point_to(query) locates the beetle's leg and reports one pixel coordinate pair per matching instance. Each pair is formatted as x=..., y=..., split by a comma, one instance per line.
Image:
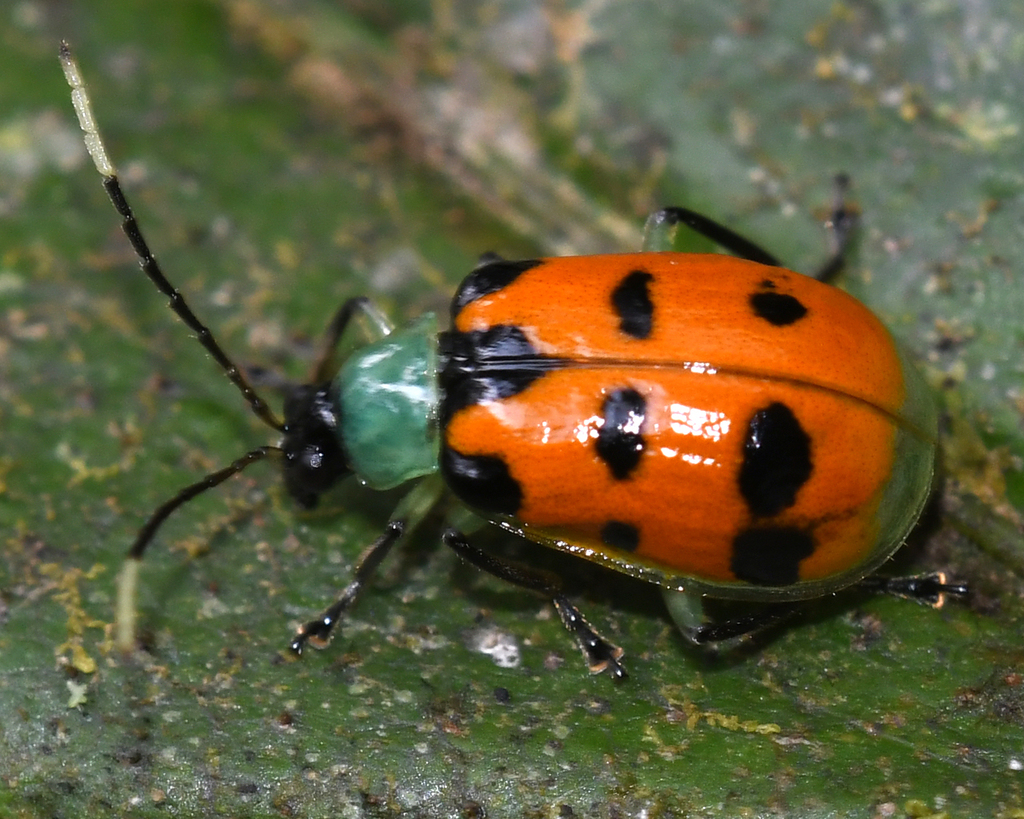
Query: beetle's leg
x=599, y=653
x=930, y=589
x=318, y=632
x=660, y=230
x=379, y=326
x=375, y=326
x=840, y=227
x=736, y=627
x=408, y=515
x=687, y=610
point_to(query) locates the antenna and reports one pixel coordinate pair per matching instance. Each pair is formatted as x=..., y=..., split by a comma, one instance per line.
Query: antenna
x=150, y=266
x=125, y=613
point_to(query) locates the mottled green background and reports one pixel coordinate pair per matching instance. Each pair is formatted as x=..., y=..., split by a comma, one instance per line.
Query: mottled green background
x=284, y=156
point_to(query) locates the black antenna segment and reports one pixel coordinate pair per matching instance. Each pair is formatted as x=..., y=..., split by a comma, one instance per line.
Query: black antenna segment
x=150, y=266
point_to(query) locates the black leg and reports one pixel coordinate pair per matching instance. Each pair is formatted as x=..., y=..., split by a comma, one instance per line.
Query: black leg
x=318, y=632
x=599, y=653
x=666, y=219
x=930, y=589
x=325, y=366
x=842, y=221
x=408, y=515
x=761, y=619
x=840, y=226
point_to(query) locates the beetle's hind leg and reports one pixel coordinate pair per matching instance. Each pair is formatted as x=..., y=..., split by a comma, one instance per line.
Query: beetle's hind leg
x=930, y=589
x=728, y=625
x=600, y=654
x=688, y=610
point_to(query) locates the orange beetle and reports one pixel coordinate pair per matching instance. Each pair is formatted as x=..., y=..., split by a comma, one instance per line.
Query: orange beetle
x=712, y=420
x=717, y=426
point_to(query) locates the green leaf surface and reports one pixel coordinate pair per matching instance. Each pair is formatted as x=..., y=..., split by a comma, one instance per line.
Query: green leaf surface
x=285, y=156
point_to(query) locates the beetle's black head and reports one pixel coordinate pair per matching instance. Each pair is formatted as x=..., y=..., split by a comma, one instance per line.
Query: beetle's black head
x=314, y=458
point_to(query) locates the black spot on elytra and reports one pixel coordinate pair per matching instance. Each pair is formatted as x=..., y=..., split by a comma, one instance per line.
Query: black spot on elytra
x=490, y=276
x=776, y=460
x=487, y=365
x=770, y=555
x=777, y=308
x=619, y=443
x=482, y=481
x=632, y=302
x=624, y=537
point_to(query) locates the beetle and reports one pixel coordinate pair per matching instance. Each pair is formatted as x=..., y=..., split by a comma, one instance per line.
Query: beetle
x=716, y=425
